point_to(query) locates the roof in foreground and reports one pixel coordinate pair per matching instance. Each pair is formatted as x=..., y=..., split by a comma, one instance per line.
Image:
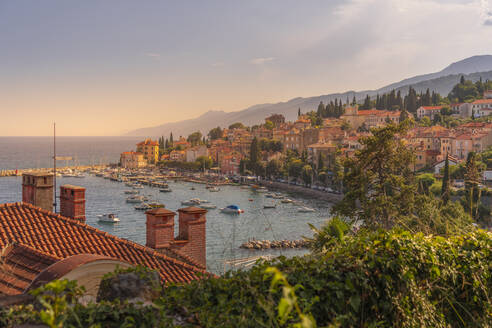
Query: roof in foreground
x=59, y=237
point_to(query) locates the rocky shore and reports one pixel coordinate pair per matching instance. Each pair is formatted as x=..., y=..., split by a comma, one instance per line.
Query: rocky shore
x=266, y=244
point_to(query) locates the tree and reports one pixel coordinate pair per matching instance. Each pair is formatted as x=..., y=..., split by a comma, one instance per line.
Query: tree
x=269, y=125
x=367, y=103
x=445, y=182
x=379, y=183
x=307, y=174
x=171, y=141
x=195, y=138
x=321, y=109
x=299, y=112
x=321, y=164
x=424, y=181
x=273, y=168
x=254, y=155
x=237, y=125
x=215, y=133
x=472, y=180
x=204, y=162
x=242, y=166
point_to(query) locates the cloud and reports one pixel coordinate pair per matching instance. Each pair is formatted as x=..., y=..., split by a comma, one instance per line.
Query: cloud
x=261, y=60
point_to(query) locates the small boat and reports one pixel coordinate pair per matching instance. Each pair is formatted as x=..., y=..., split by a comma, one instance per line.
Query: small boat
x=156, y=205
x=79, y=175
x=143, y=207
x=193, y=201
x=131, y=192
x=109, y=218
x=165, y=189
x=134, y=199
x=214, y=189
x=208, y=206
x=287, y=201
x=305, y=209
x=138, y=186
x=277, y=196
x=232, y=209
x=269, y=206
x=269, y=195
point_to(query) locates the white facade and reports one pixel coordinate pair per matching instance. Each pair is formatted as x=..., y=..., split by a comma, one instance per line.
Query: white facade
x=193, y=153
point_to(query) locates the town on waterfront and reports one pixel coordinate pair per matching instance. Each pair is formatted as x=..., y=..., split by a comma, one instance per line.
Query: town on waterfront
x=199, y=164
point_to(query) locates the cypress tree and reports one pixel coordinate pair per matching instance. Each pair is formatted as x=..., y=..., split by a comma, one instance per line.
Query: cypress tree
x=445, y=182
x=171, y=141
x=299, y=112
x=354, y=101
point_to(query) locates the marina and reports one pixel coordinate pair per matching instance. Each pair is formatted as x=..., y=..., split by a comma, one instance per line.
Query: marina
x=225, y=232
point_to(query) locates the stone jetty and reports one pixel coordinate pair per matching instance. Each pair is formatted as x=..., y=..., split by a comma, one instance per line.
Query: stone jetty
x=266, y=244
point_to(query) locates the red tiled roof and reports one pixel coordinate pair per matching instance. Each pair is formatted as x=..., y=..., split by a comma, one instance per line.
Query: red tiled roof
x=20, y=265
x=61, y=237
x=482, y=101
x=432, y=107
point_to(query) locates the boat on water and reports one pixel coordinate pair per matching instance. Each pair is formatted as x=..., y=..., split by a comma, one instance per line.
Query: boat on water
x=277, y=196
x=232, y=209
x=287, y=201
x=270, y=206
x=269, y=195
x=305, y=209
x=208, y=206
x=108, y=218
x=131, y=192
x=165, y=189
x=79, y=176
x=193, y=201
x=138, y=186
x=143, y=207
x=214, y=189
x=156, y=205
x=134, y=199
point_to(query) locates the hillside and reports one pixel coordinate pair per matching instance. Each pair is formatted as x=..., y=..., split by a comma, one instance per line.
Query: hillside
x=473, y=68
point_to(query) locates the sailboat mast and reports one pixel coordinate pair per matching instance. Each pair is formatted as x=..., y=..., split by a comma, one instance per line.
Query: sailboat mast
x=54, y=167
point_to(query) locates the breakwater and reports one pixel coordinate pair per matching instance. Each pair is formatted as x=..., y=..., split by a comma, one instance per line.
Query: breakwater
x=19, y=172
x=318, y=194
x=267, y=244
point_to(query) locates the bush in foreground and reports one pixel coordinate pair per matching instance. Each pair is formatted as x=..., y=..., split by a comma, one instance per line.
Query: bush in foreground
x=371, y=279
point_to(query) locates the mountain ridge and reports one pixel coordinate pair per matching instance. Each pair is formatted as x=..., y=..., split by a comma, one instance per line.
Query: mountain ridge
x=441, y=82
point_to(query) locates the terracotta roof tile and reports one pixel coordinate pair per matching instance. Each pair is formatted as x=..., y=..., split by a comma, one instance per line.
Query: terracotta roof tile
x=61, y=237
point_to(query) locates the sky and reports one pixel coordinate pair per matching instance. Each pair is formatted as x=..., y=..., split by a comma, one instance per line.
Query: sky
x=108, y=67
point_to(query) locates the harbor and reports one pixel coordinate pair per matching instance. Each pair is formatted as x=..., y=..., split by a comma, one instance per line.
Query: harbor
x=105, y=193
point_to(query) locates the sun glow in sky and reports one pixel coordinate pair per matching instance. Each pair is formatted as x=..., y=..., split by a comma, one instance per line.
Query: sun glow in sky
x=106, y=67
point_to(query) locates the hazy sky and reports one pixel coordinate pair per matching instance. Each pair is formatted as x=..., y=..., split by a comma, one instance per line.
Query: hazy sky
x=106, y=67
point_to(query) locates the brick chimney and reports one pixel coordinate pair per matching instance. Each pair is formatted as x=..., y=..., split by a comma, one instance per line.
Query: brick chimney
x=191, y=239
x=160, y=228
x=192, y=228
x=72, y=202
x=37, y=189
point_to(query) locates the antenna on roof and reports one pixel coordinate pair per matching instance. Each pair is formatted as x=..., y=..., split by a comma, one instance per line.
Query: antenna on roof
x=54, y=166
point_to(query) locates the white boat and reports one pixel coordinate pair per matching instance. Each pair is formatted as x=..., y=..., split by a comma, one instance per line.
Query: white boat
x=305, y=209
x=138, y=186
x=193, y=201
x=269, y=195
x=214, y=189
x=79, y=175
x=269, y=206
x=208, y=206
x=143, y=207
x=134, y=199
x=232, y=209
x=131, y=192
x=277, y=196
x=109, y=218
x=287, y=201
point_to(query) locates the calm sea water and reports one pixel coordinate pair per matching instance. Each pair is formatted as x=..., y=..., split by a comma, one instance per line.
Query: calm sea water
x=37, y=152
x=225, y=233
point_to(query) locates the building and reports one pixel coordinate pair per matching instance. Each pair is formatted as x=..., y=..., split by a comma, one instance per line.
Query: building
x=177, y=155
x=439, y=165
x=194, y=152
x=262, y=133
x=276, y=119
x=150, y=150
x=326, y=150
x=132, y=160
x=229, y=163
x=369, y=118
x=428, y=111
x=40, y=246
x=487, y=94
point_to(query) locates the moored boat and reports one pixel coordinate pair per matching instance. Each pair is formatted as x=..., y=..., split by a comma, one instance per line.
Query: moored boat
x=108, y=218
x=232, y=209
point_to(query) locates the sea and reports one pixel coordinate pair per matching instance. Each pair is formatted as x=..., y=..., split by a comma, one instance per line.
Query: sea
x=225, y=232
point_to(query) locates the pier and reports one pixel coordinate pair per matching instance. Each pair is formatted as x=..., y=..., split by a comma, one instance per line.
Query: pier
x=19, y=172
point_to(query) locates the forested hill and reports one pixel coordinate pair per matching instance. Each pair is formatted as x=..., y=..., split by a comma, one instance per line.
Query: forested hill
x=256, y=114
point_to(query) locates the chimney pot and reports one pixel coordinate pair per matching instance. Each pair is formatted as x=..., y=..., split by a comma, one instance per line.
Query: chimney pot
x=72, y=202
